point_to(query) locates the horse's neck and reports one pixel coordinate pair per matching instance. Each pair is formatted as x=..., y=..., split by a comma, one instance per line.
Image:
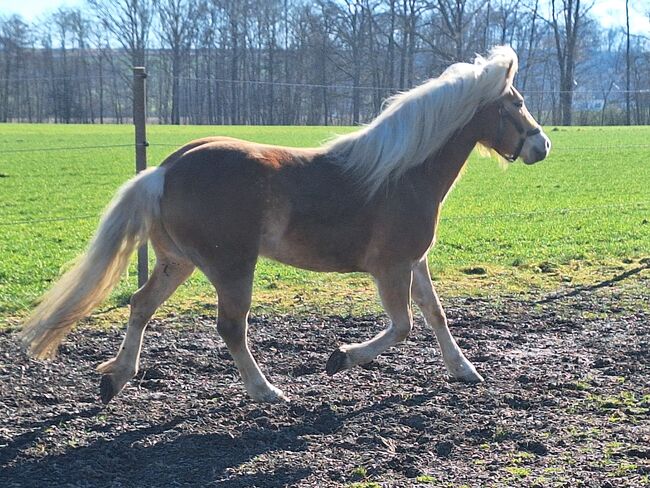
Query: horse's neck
x=443, y=168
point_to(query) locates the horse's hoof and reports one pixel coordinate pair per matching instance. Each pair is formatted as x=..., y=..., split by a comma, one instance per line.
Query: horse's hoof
x=471, y=377
x=338, y=361
x=106, y=389
x=271, y=395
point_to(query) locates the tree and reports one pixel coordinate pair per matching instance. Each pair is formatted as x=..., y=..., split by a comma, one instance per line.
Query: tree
x=351, y=29
x=129, y=21
x=14, y=35
x=566, y=20
x=177, y=30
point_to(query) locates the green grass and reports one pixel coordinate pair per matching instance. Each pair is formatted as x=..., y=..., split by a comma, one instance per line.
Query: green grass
x=518, y=472
x=581, y=215
x=426, y=478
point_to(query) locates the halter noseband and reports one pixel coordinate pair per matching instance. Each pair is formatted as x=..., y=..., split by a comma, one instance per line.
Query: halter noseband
x=504, y=114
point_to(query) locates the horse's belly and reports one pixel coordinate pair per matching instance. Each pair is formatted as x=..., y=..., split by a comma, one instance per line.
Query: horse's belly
x=308, y=257
x=318, y=248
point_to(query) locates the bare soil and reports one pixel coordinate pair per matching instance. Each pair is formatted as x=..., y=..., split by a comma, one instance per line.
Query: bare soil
x=565, y=403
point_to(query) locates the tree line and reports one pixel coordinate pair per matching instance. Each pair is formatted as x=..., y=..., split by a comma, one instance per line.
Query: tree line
x=318, y=62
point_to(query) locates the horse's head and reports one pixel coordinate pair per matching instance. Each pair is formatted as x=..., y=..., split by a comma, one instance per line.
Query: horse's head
x=510, y=129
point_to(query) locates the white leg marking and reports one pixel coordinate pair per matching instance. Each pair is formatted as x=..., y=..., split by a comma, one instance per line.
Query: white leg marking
x=257, y=386
x=427, y=300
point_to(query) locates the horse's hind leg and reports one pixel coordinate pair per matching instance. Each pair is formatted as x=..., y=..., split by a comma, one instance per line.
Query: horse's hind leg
x=168, y=274
x=234, y=289
x=394, y=287
x=425, y=296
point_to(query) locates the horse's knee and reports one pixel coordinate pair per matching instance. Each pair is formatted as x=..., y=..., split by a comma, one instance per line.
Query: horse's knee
x=231, y=330
x=436, y=320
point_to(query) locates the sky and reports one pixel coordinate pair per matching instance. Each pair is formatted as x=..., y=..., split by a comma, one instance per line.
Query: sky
x=31, y=9
x=610, y=13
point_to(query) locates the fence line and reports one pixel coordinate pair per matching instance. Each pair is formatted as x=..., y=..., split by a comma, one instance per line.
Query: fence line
x=296, y=84
x=390, y=88
x=569, y=148
x=140, y=144
x=52, y=219
x=178, y=145
x=556, y=211
x=72, y=148
x=641, y=205
x=21, y=79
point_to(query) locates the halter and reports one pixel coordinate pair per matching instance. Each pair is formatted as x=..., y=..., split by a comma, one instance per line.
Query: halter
x=504, y=114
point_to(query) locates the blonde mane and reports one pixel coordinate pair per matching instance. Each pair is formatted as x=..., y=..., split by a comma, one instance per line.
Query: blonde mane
x=417, y=123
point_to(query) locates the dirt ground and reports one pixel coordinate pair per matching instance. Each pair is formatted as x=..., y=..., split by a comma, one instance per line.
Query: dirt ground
x=565, y=403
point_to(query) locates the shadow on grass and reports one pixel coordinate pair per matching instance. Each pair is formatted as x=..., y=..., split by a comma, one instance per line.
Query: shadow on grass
x=587, y=288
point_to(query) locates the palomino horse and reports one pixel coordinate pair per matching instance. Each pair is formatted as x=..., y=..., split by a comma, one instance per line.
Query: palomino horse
x=368, y=201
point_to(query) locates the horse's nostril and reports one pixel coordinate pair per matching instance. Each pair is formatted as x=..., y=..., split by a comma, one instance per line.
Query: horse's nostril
x=547, y=145
x=540, y=153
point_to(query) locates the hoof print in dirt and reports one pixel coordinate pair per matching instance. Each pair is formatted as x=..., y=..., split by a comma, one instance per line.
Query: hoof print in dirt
x=106, y=389
x=444, y=448
x=535, y=447
x=337, y=362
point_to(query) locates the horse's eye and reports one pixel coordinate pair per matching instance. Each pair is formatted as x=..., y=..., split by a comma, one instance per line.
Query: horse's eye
x=518, y=104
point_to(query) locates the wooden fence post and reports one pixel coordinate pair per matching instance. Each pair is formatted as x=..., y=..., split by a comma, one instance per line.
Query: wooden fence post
x=140, y=123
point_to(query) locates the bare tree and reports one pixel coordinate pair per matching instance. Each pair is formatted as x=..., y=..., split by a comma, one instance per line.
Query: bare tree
x=507, y=17
x=351, y=29
x=177, y=30
x=455, y=16
x=129, y=21
x=13, y=39
x=566, y=20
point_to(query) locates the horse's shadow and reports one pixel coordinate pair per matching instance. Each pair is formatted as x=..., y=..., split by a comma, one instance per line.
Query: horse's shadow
x=152, y=456
x=146, y=457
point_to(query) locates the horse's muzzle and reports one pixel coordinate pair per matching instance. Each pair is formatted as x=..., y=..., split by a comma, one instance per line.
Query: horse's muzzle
x=535, y=148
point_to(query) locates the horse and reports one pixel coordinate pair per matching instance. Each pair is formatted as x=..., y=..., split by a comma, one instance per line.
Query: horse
x=367, y=202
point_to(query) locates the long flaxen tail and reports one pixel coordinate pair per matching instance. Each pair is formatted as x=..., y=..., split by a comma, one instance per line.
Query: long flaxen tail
x=124, y=226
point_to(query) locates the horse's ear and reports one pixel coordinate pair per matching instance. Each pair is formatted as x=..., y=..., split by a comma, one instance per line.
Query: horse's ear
x=510, y=72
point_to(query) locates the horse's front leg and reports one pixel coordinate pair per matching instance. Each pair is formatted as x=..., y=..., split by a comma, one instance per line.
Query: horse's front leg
x=425, y=296
x=394, y=287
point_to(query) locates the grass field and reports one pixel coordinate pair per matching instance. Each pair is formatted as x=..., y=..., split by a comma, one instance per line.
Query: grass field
x=578, y=217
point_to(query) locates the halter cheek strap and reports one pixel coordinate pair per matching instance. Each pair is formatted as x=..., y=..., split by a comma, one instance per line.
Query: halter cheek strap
x=504, y=114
